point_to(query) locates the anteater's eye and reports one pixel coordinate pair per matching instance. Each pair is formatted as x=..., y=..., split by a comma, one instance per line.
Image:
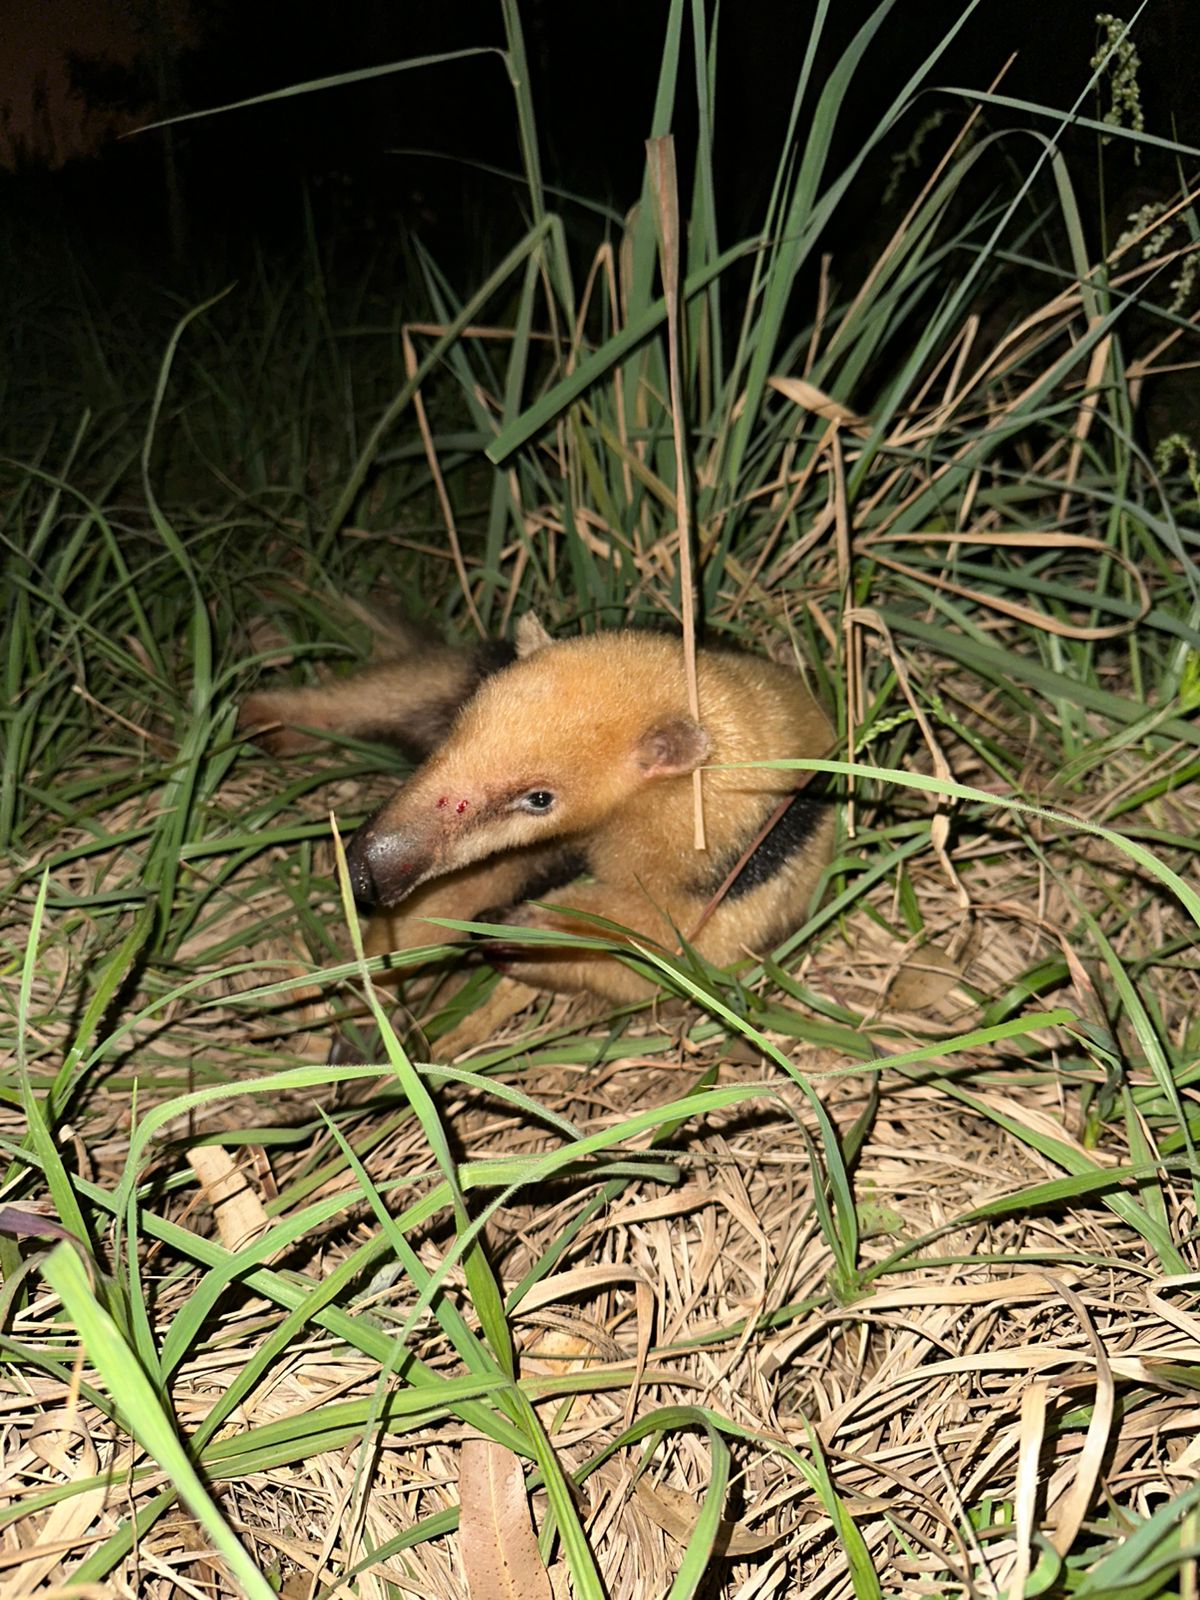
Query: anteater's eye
x=537, y=800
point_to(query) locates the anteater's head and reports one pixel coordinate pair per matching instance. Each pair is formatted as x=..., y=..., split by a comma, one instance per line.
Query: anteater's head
x=549, y=748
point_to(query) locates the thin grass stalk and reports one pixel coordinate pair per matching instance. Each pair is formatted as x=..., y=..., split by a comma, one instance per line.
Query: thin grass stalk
x=661, y=160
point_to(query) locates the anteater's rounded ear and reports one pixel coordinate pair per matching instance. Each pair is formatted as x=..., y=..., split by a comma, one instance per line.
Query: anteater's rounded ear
x=531, y=636
x=671, y=748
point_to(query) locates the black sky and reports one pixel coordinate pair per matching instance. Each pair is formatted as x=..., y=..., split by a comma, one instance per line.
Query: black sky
x=593, y=68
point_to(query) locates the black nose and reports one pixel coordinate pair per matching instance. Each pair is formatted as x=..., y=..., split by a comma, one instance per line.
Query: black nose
x=358, y=863
x=385, y=862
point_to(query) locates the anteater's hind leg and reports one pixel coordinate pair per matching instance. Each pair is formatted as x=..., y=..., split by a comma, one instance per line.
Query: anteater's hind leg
x=410, y=702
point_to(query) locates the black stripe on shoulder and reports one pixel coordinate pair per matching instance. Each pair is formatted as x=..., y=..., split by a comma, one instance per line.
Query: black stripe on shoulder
x=427, y=726
x=786, y=839
x=563, y=869
x=490, y=656
x=541, y=883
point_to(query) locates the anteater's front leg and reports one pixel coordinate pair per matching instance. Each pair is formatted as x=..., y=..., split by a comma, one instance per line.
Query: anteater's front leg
x=656, y=921
x=471, y=894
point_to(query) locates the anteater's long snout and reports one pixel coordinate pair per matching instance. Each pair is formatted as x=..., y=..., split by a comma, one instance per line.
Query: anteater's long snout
x=385, y=864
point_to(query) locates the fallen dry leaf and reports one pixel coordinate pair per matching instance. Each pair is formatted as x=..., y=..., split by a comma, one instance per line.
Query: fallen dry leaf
x=924, y=978
x=495, y=1533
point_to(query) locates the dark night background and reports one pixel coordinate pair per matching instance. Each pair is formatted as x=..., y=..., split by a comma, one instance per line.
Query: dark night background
x=75, y=70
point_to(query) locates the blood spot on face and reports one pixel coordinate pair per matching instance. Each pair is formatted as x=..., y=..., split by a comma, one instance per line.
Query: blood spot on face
x=443, y=802
x=462, y=806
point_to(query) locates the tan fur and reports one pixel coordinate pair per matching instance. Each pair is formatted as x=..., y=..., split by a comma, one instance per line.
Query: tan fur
x=411, y=698
x=602, y=724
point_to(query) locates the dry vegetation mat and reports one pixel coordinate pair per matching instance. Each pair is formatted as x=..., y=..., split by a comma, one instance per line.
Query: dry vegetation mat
x=867, y=1268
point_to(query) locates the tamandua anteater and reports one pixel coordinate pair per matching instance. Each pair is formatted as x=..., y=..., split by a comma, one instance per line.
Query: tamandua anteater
x=561, y=771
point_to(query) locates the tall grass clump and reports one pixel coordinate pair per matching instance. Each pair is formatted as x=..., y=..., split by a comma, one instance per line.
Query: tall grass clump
x=867, y=1268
